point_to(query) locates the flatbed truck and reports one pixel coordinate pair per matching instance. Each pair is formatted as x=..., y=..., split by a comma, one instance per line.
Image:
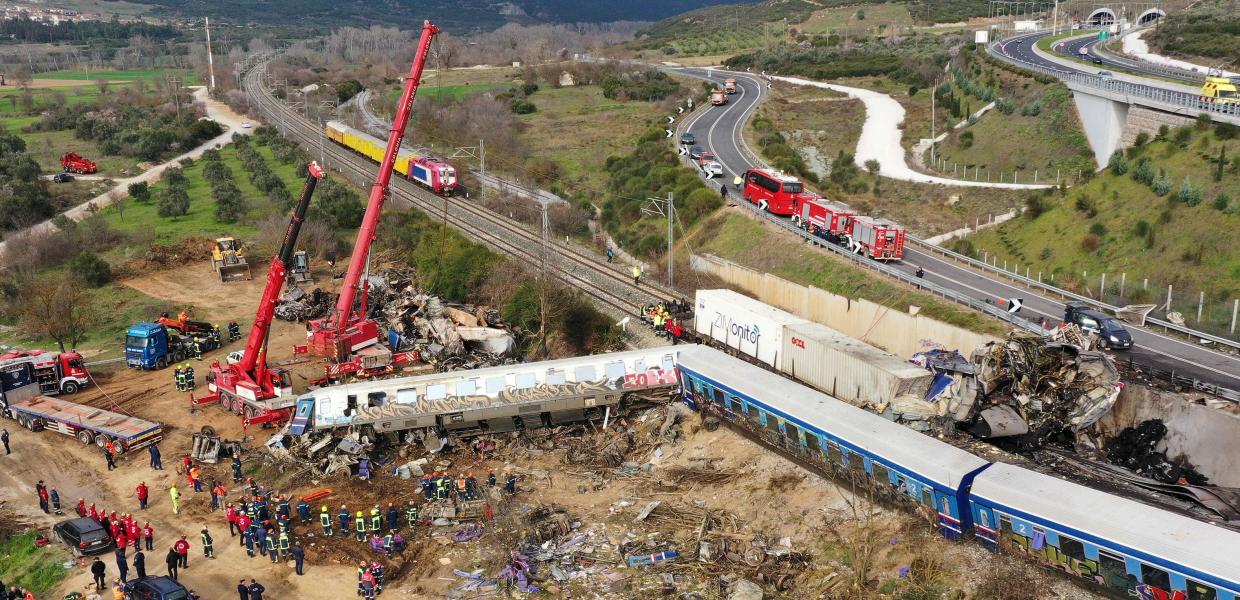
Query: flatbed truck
x=88, y=424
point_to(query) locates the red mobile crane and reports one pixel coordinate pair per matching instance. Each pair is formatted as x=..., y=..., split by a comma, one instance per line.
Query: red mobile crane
x=249, y=387
x=342, y=334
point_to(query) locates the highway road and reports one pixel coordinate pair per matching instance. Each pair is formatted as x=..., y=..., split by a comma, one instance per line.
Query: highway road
x=719, y=130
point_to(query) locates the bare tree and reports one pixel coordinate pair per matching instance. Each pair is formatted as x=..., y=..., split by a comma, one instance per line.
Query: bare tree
x=56, y=307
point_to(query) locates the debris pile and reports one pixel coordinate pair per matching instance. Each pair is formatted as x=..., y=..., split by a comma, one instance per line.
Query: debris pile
x=1136, y=449
x=415, y=320
x=1028, y=385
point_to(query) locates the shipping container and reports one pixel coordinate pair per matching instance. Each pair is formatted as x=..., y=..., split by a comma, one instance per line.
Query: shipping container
x=848, y=368
x=740, y=322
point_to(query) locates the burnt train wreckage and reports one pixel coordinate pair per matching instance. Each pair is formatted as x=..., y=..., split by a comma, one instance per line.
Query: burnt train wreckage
x=333, y=427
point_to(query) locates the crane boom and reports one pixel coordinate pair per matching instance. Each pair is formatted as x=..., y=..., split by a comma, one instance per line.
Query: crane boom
x=276, y=275
x=345, y=329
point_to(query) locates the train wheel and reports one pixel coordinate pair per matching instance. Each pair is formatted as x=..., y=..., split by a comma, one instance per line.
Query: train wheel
x=85, y=436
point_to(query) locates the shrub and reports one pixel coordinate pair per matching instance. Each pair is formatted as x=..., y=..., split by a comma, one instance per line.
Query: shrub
x=1183, y=135
x=173, y=202
x=1161, y=185
x=523, y=107
x=1141, y=228
x=1163, y=132
x=1089, y=243
x=1226, y=131
x=1035, y=206
x=1142, y=139
x=1223, y=202
x=1189, y=193
x=175, y=177
x=340, y=204
x=91, y=269
x=1144, y=173
x=872, y=166
x=528, y=88
x=140, y=191
x=1098, y=229
x=1119, y=163
x=966, y=140
x=912, y=90
x=1087, y=205
x=1203, y=121
x=1032, y=110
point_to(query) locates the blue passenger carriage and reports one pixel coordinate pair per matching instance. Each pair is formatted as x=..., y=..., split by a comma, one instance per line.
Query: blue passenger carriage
x=842, y=439
x=1125, y=546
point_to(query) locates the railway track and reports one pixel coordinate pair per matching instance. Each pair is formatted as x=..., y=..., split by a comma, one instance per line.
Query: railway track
x=573, y=265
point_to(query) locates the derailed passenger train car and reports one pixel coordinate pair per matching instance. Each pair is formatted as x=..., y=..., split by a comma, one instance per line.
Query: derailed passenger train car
x=842, y=439
x=490, y=400
x=1124, y=546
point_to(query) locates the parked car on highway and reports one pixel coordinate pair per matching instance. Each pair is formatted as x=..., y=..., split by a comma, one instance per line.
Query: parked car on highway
x=1112, y=332
x=83, y=536
x=62, y=178
x=687, y=139
x=695, y=152
x=155, y=588
x=712, y=168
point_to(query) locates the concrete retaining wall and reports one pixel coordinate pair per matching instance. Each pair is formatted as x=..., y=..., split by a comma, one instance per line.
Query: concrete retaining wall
x=1208, y=437
x=895, y=331
x=1142, y=119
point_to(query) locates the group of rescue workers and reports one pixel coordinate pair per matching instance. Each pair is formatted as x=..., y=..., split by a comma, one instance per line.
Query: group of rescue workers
x=659, y=316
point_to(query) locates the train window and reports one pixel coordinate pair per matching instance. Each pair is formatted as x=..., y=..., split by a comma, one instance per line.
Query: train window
x=927, y=497
x=526, y=381
x=1114, y=574
x=983, y=518
x=467, y=387
x=833, y=453
x=1005, y=525
x=350, y=405
x=374, y=399
x=668, y=362
x=1200, y=591
x=856, y=462
x=1156, y=577
x=496, y=385
x=881, y=474
x=1071, y=547
x=813, y=442
x=615, y=370
x=437, y=391
x=584, y=373
x=406, y=396
x=947, y=507
x=735, y=403
x=718, y=396
x=556, y=377
x=639, y=365
x=772, y=422
x=791, y=432
x=753, y=414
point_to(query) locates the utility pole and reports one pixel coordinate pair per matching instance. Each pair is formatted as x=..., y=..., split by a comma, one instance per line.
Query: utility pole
x=933, y=91
x=482, y=164
x=671, y=237
x=210, y=60
x=1055, y=19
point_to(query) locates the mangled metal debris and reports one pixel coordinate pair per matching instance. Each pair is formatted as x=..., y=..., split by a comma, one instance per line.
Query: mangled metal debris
x=1029, y=383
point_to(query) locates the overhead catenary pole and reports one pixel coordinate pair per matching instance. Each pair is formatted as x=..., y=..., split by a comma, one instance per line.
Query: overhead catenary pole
x=671, y=236
x=210, y=59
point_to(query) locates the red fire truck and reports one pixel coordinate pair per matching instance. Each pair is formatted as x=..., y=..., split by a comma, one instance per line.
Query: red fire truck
x=828, y=221
x=876, y=239
x=72, y=162
x=55, y=373
x=775, y=193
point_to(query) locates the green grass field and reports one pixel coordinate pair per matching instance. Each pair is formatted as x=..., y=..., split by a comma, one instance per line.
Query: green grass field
x=743, y=240
x=828, y=20
x=143, y=218
x=577, y=128
x=187, y=75
x=1190, y=247
x=25, y=566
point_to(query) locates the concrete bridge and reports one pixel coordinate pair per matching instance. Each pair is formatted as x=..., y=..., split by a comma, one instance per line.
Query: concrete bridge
x=1114, y=108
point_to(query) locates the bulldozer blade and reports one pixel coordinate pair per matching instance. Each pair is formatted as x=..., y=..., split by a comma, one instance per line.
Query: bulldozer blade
x=230, y=273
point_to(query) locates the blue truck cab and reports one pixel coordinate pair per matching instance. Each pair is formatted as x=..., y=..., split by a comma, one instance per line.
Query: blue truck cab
x=151, y=346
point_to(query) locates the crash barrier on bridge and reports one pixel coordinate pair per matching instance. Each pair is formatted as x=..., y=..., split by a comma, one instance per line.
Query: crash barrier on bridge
x=895, y=331
x=1171, y=99
x=1173, y=72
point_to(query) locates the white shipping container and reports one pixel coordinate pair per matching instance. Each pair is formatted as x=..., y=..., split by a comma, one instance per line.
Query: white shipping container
x=738, y=321
x=848, y=368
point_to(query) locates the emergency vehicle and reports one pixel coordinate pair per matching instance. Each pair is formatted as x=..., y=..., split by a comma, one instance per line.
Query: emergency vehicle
x=876, y=239
x=775, y=192
x=53, y=372
x=825, y=220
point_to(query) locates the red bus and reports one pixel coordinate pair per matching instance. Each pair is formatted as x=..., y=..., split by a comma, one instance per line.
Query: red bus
x=775, y=193
x=877, y=239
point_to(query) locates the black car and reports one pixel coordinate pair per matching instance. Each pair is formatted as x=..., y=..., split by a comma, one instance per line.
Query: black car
x=1108, y=328
x=1097, y=61
x=83, y=536
x=687, y=139
x=155, y=588
x=695, y=152
x=62, y=178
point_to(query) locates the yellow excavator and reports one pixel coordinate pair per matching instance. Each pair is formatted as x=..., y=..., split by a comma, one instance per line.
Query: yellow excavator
x=228, y=260
x=1219, y=89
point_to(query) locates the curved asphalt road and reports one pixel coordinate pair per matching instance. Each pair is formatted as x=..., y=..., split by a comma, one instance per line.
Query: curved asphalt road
x=719, y=130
